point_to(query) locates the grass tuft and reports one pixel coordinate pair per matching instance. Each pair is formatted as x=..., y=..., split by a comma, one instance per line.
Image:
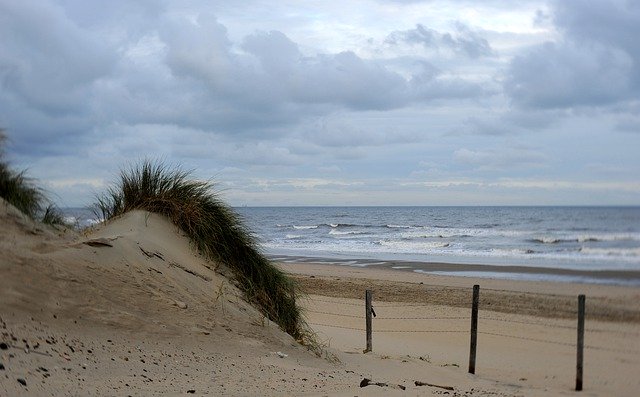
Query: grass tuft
x=21, y=192
x=213, y=227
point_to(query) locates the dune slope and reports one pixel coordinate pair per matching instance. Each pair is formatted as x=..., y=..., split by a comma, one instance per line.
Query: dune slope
x=130, y=309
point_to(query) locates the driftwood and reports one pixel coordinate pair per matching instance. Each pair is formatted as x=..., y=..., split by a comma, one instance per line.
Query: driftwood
x=152, y=254
x=182, y=267
x=418, y=383
x=98, y=242
x=367, y=382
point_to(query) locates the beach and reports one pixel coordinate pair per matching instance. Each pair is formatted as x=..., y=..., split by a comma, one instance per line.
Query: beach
x=129, y=308
x=527, y=330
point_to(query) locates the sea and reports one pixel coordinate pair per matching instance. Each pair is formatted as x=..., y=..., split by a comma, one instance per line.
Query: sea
x=565, y=244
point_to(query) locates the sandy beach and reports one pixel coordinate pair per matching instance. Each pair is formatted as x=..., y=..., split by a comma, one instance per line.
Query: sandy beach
x=527, y=330
x=128, y=309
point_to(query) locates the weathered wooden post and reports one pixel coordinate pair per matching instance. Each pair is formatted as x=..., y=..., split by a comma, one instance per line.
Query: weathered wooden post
x=368, y=297
x=580, y=366
x=474, y=329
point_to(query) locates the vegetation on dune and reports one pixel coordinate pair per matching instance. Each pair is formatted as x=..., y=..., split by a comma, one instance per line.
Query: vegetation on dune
x=213, y=227
x=21, y=192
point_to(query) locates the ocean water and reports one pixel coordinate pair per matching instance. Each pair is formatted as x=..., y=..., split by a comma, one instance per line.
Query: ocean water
x=570, y=238
x=575, y=240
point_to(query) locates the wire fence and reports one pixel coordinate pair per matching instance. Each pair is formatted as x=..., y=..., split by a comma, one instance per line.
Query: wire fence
x=389, y=315
x=467, y=318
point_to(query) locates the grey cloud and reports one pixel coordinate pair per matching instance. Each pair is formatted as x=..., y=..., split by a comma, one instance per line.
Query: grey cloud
x=443, y=88
x=348, y=79
x=69, y=82
x=560, y=76
x=468, y=42
x=46, y=60
x=342, y=78
x=464, y=41
x=349, y=133
x=596, y=64
x=629, y=124
x=272, y=71
x=276, y=52
x=199, y=50
x=515, y=121
x=503, y=159
x=615, y=23
x=272, y=74
x=419, y=35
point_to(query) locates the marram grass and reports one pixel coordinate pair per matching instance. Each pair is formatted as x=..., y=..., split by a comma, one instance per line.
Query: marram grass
x=213, y=227
x=21, y=192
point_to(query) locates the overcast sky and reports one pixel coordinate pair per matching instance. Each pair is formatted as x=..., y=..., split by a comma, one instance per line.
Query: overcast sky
x=371, y=102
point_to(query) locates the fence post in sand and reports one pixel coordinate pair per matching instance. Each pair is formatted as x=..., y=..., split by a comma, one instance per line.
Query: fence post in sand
x=579, y=366
x=474, y=329
x=368, y=298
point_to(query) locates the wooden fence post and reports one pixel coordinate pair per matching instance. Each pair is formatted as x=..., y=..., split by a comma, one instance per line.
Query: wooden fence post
x=580, y=366
x=368, y=298
x=474, y=329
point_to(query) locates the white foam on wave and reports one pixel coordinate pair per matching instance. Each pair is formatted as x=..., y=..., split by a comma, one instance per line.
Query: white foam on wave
x=452, y=232
x=585, y=238
x=624, y=252
x=305, y=227
x=413, y=246
x=353, y=263
x=610, y=237
x=345, y=233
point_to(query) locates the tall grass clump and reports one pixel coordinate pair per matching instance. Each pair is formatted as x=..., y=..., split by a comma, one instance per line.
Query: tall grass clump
x=21, y=192
x=213, y=227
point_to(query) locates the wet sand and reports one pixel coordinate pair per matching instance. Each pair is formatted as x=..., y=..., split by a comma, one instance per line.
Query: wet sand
x=509, y=272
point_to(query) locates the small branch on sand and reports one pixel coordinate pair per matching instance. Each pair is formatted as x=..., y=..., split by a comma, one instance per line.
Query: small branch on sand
x=418, y=383
x=98, y=242
x=152, y=254
x=179, y=266
x=367, y=382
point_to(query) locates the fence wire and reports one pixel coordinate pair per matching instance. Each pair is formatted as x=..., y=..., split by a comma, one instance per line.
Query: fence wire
x=601, y=330
x=526, y=338
x=336, y=314
x=338, y=326
x=336, y=302
x=422, y=318
x=480, y=318
x=390, y=330
x=388, y=318
x=504, y=320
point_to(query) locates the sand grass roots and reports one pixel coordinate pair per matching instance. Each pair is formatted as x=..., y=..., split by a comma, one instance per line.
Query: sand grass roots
x=213, y=227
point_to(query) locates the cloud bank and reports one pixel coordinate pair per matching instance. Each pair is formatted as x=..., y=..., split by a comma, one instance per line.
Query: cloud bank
x=254, y=92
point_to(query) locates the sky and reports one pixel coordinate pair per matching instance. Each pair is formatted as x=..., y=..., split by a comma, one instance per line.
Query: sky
x=364, y=102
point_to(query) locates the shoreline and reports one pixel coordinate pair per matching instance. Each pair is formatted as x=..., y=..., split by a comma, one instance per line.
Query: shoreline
x=538, y=298
x=628, y=278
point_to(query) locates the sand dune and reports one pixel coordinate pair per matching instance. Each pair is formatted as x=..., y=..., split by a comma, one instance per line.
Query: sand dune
x=130, y=309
